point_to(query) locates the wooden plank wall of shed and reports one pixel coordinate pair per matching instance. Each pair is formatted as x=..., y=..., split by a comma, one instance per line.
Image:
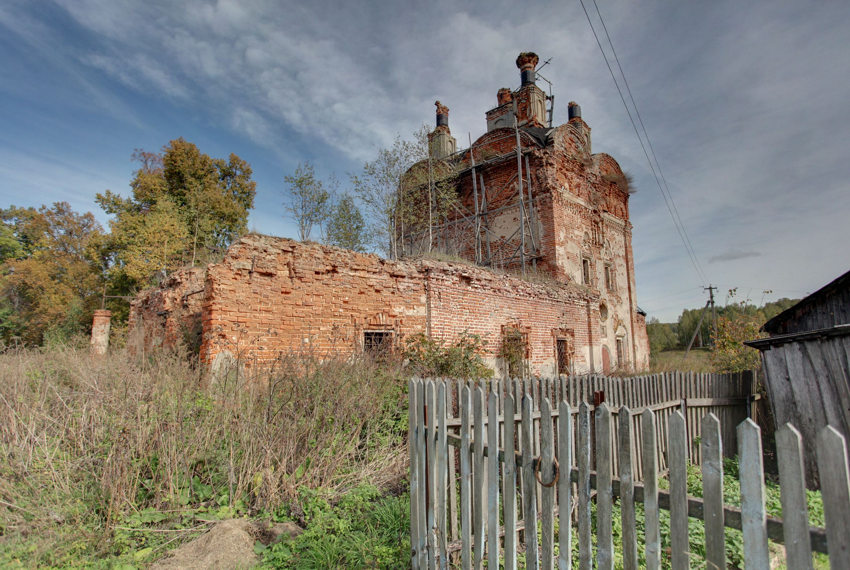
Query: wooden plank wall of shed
x=809, y=386
x=832, y=310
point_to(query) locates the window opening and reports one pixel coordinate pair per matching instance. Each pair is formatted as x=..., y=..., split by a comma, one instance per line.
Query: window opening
x=609, y=277
x=377, y=343
x=621, y=352
x=515, y=352
x=585, y=271
x=562, y=349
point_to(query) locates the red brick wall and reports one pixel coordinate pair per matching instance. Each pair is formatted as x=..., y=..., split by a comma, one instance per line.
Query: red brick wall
x=272, y=294
x=483, y=303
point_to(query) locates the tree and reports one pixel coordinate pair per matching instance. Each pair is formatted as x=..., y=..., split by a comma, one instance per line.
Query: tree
x=143, y=243
x=407, y=194
x=49, y=277
x=185, y=208
x=661, y=336
x=730, y=354
x=307, y=199
x=345, y=226
x=377, y=186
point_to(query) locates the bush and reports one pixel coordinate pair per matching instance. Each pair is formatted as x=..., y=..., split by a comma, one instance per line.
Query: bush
x=428, y=357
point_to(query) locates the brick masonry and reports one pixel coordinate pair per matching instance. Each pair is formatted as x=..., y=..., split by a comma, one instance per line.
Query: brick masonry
x=271, y=295
x=580, y=232
x=169, y=314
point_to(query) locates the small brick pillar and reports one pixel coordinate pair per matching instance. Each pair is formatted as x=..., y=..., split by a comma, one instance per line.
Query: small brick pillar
x=100, y=331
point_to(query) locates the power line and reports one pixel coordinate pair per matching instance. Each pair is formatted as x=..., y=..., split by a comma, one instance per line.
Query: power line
x=648, y=141
x=668, y=197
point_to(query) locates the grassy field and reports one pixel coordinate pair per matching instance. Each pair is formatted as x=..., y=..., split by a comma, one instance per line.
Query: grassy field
x=112, y=461
x=670, y=360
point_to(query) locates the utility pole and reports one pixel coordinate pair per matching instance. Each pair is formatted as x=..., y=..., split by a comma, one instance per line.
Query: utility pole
x=711, y=288
x=697, y=330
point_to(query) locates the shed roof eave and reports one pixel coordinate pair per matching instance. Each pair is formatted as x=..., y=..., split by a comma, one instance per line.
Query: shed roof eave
x=770, y=342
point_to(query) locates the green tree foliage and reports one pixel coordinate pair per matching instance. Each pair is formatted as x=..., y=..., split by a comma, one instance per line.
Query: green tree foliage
x=687, y=324
x=307, y=199
x=730, y=354
x=689, y=318
x=428, y=357
x=185, y=208
x=662, y=336
x=345, y=226
x=49, y=278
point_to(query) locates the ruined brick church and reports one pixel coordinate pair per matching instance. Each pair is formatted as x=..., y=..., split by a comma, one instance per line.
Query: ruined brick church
x=541, y=230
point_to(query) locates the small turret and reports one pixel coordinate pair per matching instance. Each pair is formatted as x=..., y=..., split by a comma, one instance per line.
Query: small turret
x=441, y=143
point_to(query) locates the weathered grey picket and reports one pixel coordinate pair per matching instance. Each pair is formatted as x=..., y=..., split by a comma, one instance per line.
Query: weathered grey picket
x=555, y=448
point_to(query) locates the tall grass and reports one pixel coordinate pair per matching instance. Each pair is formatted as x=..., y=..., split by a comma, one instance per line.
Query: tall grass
x=88, y=441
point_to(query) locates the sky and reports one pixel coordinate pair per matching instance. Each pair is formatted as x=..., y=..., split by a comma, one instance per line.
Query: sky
x=745, y=104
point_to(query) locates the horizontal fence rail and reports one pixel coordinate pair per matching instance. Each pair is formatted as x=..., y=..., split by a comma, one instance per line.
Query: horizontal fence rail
x=491, y=460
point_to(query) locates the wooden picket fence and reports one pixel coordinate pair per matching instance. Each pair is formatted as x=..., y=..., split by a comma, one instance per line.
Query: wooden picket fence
x=559, y=461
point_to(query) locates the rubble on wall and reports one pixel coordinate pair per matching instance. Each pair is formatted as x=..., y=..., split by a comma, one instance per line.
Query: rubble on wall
x=163, y=316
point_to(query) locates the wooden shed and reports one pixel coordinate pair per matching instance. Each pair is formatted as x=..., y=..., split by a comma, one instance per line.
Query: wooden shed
x=806, y=362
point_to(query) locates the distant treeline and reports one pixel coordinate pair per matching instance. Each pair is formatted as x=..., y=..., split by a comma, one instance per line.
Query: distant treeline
x=676, y=336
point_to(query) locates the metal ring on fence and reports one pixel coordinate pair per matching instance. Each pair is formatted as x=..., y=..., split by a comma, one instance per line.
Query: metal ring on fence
x=557, y=467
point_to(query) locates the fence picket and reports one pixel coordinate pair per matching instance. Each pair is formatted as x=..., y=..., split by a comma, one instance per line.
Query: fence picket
x=565, y=442
x=415, y=499
x=712, y=492
x=423, y=481
x=430, y=471
x=652, y=527
x=548, y=474
x=627, y=489
x=678, y=492
x=451, y=400
x=835, y=487
x=585, y=547
x=535, y=428
x=509, y=485
x=753, y=518
x=604, y=492
x=529, y=501
x=493, y=481
x=478, y=481
x=519, y=392
x=795, y=512
x=442, y=452
x=465, y=479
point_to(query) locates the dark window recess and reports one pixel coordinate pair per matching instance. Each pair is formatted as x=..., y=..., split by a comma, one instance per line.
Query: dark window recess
x=563, y=349
x=585, y=271
x=377, y=343
x=514, y=351
x=609, y=278
x=621, y=353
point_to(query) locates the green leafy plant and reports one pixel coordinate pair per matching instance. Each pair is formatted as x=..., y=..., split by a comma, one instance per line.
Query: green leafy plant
x=362, y=529
x=462, y=359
